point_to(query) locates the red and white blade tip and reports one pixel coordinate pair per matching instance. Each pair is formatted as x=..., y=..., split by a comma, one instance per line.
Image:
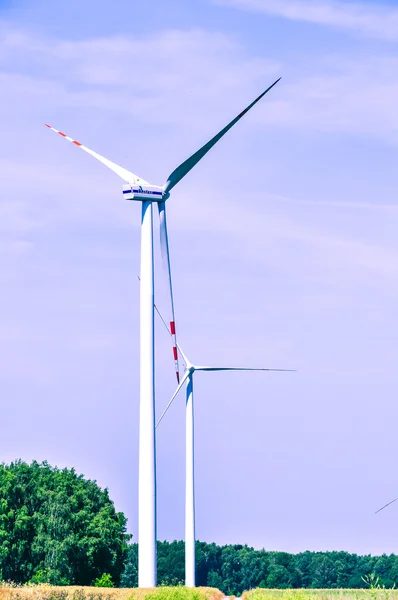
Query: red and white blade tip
x=175, y=350
x=63, y=135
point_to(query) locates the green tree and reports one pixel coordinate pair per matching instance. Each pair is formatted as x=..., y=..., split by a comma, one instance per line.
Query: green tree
x=230, y=570
x=171, y=563
x=57, y=526
x=104, y=581
x=393, y=575
x=215, y=580
x=129, y=578
x=278, y=577
x=325, y=572
x=208, y=560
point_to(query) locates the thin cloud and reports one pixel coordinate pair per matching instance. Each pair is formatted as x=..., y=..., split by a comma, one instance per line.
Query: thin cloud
x=177, y=69
x=373, y=20
x=146, y=76
x=347, y=205
x=341, y=95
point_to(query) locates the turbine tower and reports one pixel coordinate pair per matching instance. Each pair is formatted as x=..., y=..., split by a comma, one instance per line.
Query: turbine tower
x=190, y=536
x=138, y=189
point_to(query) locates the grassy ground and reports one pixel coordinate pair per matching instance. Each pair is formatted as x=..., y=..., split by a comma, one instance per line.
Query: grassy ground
x=375, y=594
x=48, y=592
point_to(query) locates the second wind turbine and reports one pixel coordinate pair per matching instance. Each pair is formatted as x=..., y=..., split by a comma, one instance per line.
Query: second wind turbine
x=190, y=523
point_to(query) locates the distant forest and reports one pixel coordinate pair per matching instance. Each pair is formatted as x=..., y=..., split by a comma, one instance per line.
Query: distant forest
x=235, y=568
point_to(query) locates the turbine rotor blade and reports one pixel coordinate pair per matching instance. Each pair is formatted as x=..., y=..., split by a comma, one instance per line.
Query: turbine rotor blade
x=168, y=329
x=173, y=396
x=164, y=247
x=241, y=369
x=163, y=320
x=126, y=175
x=190, y=162
x=385, y=506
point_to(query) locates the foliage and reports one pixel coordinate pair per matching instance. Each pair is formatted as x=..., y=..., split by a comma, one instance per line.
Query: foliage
x=104, y=581
x=235, y=568
x=373, y=581
x=129, y=578
x=57, y=527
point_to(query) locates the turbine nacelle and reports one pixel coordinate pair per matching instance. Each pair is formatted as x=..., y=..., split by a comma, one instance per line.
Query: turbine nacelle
x=143, y=193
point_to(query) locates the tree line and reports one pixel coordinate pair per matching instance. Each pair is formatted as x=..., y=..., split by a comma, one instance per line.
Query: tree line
x=236, y=568
x=58, y=527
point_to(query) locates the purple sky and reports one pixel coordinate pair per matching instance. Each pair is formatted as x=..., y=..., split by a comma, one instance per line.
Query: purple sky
x=284, y=254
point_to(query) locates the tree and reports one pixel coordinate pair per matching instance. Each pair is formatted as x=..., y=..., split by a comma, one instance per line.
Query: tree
x=208, y=561
x=104, y=581
x=278, y=577
x=253, y=567
x=171, y=563
x=231, y=570
x=129, y=578
x=325, y=572
x=56, y=526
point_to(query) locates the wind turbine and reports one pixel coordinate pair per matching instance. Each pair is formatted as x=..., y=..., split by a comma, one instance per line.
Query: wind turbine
x=138, y=189
x=190, y=368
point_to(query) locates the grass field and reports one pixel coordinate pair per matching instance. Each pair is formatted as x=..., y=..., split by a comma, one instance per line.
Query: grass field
x=374, y=594
x=48, y=592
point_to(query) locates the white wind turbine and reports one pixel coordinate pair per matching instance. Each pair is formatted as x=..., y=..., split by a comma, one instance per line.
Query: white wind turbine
x=190, y=537
x=138, y=189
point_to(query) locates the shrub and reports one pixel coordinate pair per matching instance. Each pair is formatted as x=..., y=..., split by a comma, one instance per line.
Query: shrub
x=104, y=581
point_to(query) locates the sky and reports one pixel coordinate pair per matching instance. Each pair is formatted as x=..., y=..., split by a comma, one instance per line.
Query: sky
x=283, y=245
